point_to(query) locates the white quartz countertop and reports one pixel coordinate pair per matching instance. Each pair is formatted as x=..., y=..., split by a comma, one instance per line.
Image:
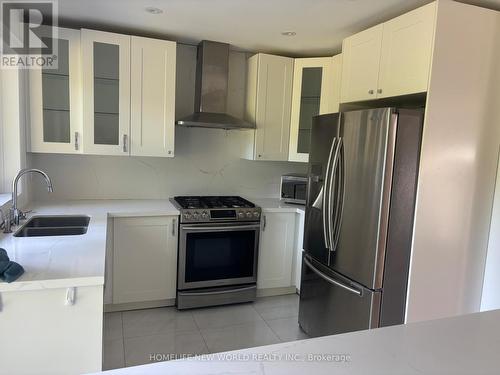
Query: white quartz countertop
x=467, y=344
x=64, y=261
x=276, y=205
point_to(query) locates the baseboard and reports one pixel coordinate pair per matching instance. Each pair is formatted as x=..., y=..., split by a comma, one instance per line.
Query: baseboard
x=269, y=292
x=139, y=305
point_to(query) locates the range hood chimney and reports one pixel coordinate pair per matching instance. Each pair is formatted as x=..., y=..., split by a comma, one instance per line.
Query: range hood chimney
x=210, y=100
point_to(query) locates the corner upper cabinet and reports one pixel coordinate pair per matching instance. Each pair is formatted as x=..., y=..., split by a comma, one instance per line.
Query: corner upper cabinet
x=268, y=106
x=316, y=85
x=55, y=99
x=152, y=116
x=106, y=92
x=361, y=62
x=390, y=59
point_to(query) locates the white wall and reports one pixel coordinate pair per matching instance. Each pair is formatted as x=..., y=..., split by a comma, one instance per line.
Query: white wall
x=490, y=299
x=207, y=161
x=456, y=182
x=12, y=127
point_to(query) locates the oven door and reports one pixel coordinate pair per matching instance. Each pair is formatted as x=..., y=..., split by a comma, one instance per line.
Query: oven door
x=217, y=254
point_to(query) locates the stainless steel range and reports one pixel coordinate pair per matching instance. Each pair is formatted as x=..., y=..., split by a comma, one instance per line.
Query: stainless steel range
x=218, y=250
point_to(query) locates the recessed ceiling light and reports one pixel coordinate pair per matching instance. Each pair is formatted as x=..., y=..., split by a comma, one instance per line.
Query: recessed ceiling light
x=288, y=33
x=154, y=10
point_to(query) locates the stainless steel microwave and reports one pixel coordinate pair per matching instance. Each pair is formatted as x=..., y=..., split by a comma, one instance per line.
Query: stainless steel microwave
x=294, y=188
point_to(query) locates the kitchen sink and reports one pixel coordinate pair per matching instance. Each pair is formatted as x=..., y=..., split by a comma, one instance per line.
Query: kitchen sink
x=44, y=226
x=57, y=221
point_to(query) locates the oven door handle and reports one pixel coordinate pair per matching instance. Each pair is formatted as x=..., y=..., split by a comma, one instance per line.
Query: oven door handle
x=229, y=227
x=225, y=291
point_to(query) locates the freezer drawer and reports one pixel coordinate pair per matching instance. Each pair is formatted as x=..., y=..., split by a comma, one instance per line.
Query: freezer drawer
x=331, y=304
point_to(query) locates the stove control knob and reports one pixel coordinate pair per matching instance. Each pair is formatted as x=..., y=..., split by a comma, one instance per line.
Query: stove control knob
x=241, y=215
x=195, y=215
x=204, y=215
x=187, y=216
x=249, y=214
x=256, y=214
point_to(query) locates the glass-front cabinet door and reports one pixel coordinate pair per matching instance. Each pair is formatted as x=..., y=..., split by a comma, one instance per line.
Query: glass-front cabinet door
x=313, y=93
x=106, y=92
x=55, y=98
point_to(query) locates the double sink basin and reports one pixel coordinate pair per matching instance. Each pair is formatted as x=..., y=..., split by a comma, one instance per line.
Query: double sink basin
x=46, y=226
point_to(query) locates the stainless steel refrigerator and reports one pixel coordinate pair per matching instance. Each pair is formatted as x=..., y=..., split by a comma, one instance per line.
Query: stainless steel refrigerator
x=363, y=168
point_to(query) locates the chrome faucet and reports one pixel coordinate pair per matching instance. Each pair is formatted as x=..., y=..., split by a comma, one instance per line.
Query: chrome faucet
x=15, y=213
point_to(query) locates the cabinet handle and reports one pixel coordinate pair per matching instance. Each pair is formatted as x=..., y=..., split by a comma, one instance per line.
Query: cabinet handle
x=70, y=296
x=125, y=143
x=379, y=91
x=173, y=227
x=264, y=219
x=77, y=141
x=371, y=92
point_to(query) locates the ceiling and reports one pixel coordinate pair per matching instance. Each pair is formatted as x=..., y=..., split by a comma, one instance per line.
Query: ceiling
x=252, y=25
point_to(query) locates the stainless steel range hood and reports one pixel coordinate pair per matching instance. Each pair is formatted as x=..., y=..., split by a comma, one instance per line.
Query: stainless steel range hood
x=210, y=100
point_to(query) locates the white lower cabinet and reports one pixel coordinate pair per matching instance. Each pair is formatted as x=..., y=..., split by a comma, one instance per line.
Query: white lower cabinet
x=43, y=333
x=144, y=259
x=277, y=249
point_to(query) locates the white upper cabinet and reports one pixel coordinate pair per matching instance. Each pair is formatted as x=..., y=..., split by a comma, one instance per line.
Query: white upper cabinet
x=152, y=114
x=55, y=99
x=406, y=53
x=106, y=92
x=315, y=91
x=335, y=85
x=111, y=94
x=360, y=68
x=269, y=92
x=389, y=59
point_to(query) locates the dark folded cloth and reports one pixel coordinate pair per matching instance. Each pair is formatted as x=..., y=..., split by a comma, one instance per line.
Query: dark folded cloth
x=4, y=260
x=9, y=271
x=12, y=273
x=4, y=265
x=3, y=255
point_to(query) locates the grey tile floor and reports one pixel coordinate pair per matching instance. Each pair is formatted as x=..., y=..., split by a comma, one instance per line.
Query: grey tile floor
x=131, y=337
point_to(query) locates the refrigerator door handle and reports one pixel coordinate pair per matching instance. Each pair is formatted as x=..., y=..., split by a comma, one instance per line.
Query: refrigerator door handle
x=330, y=280
x=339, y=208
x=332, y=204
x=326, y=195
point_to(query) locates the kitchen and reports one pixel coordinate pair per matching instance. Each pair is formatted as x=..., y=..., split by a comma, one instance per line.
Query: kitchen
x=138, y=173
